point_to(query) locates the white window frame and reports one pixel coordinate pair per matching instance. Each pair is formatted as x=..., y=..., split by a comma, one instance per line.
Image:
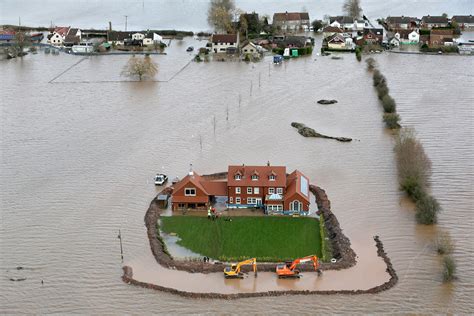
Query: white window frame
x=254, y=177
x=237, y=200
x=189, y=194
x=256, y=190
x=231, y=200
x=237, y=190
x=252, y=200
x=249, y=190
x=238, y=177
x=271, y=177
x=271, y=190
x=279, y=191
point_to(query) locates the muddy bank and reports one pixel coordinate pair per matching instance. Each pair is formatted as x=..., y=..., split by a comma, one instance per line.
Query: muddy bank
x=309, y=132
x=340, y=244
x=127, y=277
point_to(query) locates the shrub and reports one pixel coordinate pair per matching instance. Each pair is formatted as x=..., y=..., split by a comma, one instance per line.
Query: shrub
x=388, y=103
x=449, y=269
x=392, y=120
x=358, y=53
x=378, y=77
x=382, y=90
x=444, y=244
x=412, y=187
x=414, y=166
x=371, y=63
x=427, y=209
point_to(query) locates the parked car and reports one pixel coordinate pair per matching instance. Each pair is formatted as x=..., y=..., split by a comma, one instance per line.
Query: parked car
x=190, y=49
x=160, y=179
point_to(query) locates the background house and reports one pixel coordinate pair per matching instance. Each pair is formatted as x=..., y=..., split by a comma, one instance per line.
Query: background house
x=118, y=38
x=401, y=22
x=291, y=21
x=440, y=37
x=58, y=35
x=221, y=43
x=73, y=37
x=464, y=21
x=428, y=21
x=373, y=35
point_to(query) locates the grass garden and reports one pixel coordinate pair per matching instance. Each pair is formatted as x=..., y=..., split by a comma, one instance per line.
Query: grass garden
x=270, y=239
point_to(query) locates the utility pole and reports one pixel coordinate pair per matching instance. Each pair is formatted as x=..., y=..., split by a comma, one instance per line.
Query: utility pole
x=126, y=18
x=121, y=248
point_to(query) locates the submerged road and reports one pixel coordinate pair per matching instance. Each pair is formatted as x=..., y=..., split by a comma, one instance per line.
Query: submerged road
x=370, y=271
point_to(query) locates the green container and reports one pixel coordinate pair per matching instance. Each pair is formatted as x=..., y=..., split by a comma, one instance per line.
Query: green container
x=294, y=53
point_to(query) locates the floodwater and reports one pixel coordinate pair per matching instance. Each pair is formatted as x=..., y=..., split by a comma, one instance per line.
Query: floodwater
x=78, y=157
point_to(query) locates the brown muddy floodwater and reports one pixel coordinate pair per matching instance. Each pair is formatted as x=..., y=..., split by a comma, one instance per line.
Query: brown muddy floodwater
x=78, y=156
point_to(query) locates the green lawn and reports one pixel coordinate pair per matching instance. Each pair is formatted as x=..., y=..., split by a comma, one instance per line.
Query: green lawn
x=266, y=238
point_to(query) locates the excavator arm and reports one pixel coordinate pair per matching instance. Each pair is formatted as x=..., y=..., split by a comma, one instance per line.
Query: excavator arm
x=290, y=271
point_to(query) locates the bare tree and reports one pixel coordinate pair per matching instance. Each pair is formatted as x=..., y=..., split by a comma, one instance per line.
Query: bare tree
x=22, y=40
x=220, y=14
x=352, y=8
x=141, y=67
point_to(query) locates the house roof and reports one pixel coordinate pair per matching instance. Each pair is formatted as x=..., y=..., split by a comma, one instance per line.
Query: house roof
x=341, y=19
x=373, y=31
x=118, y=36
x=332, y=29
x=434, y=19
x=400, y=19
x=336, y=38
x=463, y=18
x=208, y=187
x=263, y=176
x=61, y=30
x=248, y=43
x=290, y=16
x=224, y=38
x=216, y=188
x=72, y=39
x=72, y=32
x=441, y=32
x=297, y=183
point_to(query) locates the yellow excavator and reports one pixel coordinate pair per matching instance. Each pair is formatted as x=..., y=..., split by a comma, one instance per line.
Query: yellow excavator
x=233, y=271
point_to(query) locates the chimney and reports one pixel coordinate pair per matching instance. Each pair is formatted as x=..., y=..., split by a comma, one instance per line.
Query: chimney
x=191, y=172
x=110, y=26
x=268, y=163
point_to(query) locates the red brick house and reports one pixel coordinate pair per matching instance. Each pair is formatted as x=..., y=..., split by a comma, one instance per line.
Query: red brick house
x=267, y=187
x=440, y=37
x=194, y=192
x=373, y=35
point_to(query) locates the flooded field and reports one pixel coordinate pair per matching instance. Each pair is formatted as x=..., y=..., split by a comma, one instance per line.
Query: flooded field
x=78, y=157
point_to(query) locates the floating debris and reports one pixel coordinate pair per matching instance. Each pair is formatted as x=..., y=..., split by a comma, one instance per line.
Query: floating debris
x=327, y=101
x=309, y=132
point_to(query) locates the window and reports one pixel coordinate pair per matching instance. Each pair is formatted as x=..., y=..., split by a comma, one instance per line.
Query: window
x=237, y=190
x=190, y=192
x=256, y=190
x=271, y=190
x=237, y=177
x=251, y=201
x=231, y=200
x=249, y=190
x=254, y=177
x=237, y=200
x=271, y=177
x=181, y=206
x=280, y=190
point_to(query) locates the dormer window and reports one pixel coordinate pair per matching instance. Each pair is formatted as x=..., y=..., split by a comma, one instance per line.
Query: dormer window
x=238, y=177
x=272, y=177
x=254, y=177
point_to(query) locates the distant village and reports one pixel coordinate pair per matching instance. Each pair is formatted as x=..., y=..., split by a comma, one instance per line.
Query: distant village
x=289, y=35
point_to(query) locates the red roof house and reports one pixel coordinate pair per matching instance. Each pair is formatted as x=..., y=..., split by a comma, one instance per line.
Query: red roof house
x=268, y=187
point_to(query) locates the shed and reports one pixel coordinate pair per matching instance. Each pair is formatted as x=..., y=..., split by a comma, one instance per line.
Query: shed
x=162, y=200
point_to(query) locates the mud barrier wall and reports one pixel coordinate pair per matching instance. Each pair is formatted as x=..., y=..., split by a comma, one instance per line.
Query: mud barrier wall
x=127, y=277
x=340, y=244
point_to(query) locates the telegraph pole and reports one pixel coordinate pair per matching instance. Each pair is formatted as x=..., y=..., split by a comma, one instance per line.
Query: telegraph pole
x=121, y=248
x=126, y=18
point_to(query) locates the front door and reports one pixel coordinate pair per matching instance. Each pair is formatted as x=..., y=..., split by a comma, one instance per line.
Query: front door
x=296, y=206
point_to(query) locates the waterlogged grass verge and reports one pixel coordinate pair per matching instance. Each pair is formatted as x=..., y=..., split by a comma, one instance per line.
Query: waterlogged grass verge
x=326, y=253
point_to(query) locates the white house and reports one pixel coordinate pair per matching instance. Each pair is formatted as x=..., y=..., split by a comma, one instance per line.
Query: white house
x=344, y=22
x=58, y=36
x=221, y=43
x=394, y=41
x=138, y=37
x=152, y=38
x=414, y=37
x=249, y=48
x=291, y=21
